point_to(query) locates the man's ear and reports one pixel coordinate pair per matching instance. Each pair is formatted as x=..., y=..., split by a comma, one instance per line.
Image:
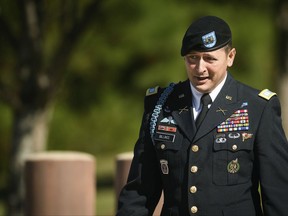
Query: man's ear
x=231, y=57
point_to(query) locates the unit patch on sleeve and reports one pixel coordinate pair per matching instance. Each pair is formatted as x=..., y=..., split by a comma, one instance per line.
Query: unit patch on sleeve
x=151, y=91
x=266, y=94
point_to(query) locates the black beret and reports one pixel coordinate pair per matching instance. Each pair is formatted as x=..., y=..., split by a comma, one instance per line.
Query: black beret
x=206, y=34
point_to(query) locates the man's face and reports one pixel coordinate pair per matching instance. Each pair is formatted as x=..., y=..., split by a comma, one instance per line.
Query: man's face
x=206, y=70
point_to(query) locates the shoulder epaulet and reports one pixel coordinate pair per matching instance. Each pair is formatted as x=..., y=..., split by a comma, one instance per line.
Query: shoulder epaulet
x=152, y=91
x=267, y=94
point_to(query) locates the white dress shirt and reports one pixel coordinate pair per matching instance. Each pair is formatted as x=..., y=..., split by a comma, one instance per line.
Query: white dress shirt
x=196, y=97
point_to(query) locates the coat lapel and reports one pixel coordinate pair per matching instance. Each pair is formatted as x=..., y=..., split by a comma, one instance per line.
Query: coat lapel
x=225, y=104
x=180, y=104
x=182, y=109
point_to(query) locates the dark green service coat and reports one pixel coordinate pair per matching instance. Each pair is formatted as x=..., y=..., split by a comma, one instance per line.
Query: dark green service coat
x=215, y=170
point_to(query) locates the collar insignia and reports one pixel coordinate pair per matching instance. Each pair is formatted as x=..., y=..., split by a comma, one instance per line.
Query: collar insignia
x=221, y=110
x=183, y=109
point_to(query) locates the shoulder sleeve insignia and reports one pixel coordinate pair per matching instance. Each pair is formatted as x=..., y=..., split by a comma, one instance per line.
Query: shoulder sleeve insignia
x=267, y=94
x=151, y=91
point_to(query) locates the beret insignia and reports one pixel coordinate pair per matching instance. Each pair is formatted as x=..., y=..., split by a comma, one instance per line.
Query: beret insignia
x=209, y=40
x=267, y=94
x=151, y=91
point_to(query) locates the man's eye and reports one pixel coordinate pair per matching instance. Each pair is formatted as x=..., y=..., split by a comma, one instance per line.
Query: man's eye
x=210, y=58
x=192, y=57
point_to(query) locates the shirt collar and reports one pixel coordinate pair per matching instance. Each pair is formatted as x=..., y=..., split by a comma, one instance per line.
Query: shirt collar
x=196, y=95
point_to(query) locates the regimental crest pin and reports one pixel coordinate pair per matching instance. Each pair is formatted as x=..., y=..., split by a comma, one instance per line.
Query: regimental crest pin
x=228, y=97
x=233, y=166
x=164, y=167
x=209, y=40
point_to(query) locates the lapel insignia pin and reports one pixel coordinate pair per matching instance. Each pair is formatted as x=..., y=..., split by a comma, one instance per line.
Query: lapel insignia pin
x=181, y=96
x=221, y=110
x=183, y=109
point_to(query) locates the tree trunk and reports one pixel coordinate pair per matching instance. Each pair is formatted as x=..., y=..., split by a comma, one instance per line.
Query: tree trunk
x=283, y=92
x=37, y=75
x=30, y=130
x=282, y=21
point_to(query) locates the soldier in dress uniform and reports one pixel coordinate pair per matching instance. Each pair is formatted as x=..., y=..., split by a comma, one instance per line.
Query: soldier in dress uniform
x=210, y=143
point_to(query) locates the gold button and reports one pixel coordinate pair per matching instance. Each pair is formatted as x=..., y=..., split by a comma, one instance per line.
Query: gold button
x=193, y=189
x=162, y=146
x=194, y=209
x=234, y=147
x=195, y=148
x=194, y=169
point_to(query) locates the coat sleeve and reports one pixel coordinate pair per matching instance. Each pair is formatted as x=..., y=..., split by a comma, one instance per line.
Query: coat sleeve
x=141, y=194
x=272, y=154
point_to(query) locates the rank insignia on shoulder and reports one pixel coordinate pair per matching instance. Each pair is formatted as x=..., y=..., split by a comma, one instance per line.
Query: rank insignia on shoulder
x=266, y=94
x=151, y=91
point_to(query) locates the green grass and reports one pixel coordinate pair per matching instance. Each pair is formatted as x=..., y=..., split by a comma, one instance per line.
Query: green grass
x=105, y=202
x=105, y=197
x=2, y=209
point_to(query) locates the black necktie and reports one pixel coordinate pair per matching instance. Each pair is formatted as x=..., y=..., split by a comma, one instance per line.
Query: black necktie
x=205, y=101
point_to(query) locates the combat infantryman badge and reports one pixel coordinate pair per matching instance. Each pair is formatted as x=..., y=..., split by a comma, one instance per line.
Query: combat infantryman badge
x=164, y=167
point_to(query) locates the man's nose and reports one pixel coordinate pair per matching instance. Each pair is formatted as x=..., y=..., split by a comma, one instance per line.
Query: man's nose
x=200, y=66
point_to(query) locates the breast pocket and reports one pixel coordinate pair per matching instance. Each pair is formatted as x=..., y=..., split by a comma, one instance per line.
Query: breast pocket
x=232, y=158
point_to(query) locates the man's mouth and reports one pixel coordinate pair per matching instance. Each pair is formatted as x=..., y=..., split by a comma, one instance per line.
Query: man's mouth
x=202, y=78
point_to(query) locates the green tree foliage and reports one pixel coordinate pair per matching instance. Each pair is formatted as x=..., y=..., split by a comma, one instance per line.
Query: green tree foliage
x=112, y=69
